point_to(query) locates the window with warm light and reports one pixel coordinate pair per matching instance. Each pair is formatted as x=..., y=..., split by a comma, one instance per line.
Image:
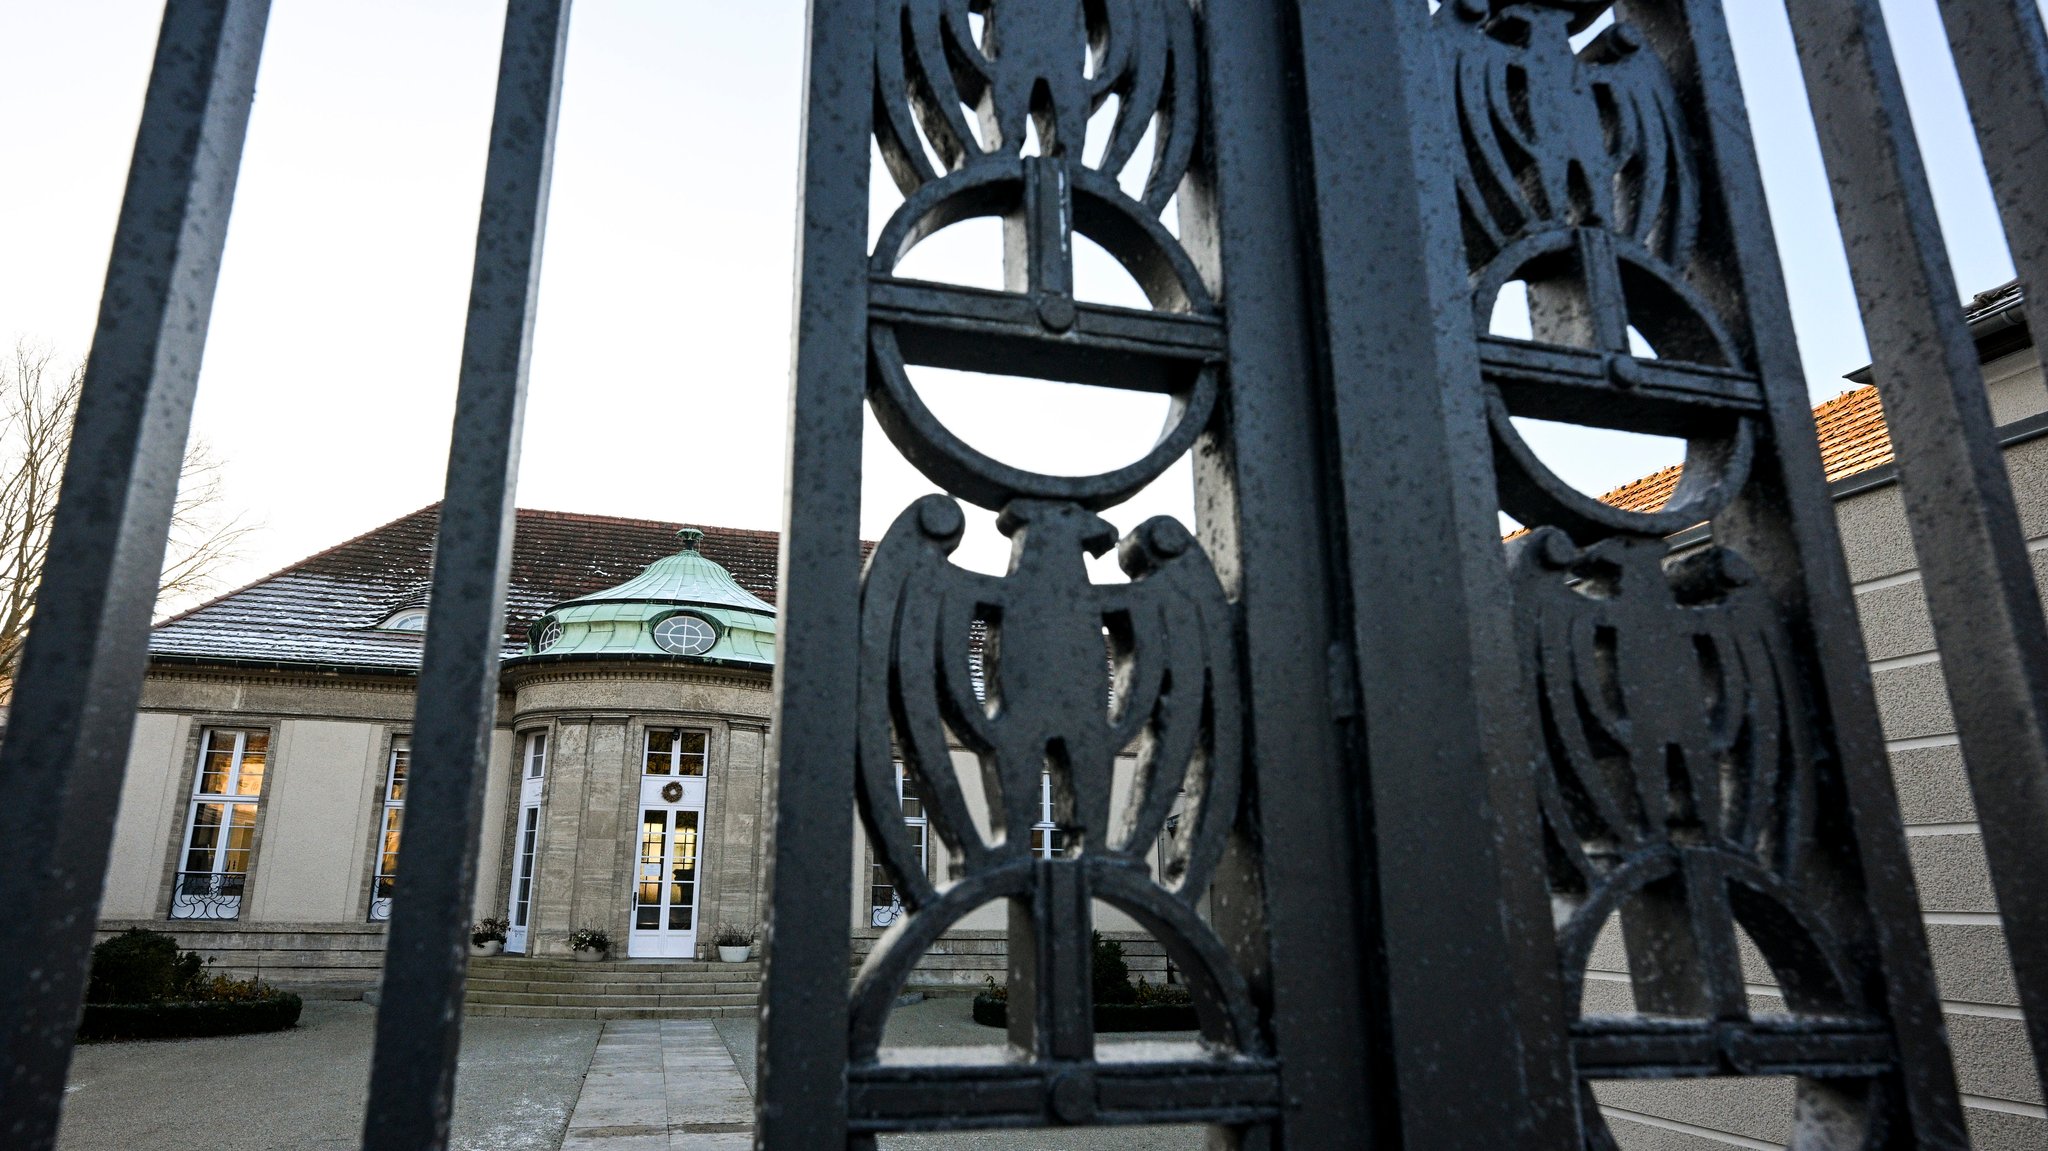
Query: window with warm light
x=220, y=830
x=395, y=770
x=676, y=751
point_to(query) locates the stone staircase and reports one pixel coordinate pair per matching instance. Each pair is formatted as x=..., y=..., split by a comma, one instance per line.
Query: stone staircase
x=614, y=989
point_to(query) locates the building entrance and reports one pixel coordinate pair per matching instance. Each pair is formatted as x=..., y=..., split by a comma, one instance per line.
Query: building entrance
x=664, y=922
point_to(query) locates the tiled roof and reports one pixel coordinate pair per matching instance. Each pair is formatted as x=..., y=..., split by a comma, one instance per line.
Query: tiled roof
x=325, y=609
x=1852, y=439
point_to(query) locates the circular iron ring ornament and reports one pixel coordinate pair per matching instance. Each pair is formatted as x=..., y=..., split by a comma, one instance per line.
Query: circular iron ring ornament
x=1716, y=465
x=1139, y=242
x=672, y=791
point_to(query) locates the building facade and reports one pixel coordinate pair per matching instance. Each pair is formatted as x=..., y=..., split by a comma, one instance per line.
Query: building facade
x=627, y=787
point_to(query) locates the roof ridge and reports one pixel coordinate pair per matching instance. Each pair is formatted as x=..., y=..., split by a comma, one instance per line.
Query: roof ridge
x=593, y=517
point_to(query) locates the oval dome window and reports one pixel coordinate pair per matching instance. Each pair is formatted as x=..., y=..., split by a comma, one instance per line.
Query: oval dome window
x=685, y=635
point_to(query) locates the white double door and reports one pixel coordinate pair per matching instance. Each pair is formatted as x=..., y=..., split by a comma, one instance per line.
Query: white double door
x=667, y=868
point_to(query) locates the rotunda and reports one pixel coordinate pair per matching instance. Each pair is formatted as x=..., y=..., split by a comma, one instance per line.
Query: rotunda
x=640, y=715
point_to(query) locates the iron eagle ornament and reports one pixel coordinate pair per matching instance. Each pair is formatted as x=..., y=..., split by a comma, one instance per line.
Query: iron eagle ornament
x=1678, y=779
x=1069, y=673
x=1558, y=137
x=1049, y=64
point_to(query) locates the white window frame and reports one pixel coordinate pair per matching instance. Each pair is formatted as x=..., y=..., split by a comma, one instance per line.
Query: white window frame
x=1048, y=838
x=882, y=914
x=677, y=759
x=535, y=755
x=668, y=623
x=384, y=877
x=216, y=892
x=533, y=760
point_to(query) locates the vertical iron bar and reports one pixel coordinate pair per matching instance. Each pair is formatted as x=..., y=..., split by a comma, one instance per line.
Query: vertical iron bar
x=1973, y=559
x=419, y=1023
x=1473, y=1021
x=81, y=671
x=801, y=1101
x=1293, y=913
x=2001, y=54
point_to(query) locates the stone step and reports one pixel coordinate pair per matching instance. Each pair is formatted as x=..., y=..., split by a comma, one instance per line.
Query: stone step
x=526, y=1011
x=627, y=967
x=534, y=999
x=560, y=986
x=564, y=975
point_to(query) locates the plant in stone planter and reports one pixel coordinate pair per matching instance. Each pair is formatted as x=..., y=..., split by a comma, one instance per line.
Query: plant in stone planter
x=487, y=936
x=734, y=942
x=590, y=943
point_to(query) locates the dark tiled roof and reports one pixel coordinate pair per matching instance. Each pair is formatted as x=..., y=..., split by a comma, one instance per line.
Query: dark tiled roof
x=325, y=609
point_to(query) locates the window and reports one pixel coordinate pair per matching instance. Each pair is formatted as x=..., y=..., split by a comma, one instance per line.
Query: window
x=674, y=751
x=522, y=887
x=1048, y=840
x=884, y=902
x=536, y=754
x=549, y=636
x=411, y=619
x=670, y=848
x=221, y=831
x=685, y=635
x=387, y=833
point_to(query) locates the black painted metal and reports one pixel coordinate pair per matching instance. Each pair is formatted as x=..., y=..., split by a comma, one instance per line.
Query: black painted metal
x=419, y=1022
x=1295, y=920
x=2001, y=54
x=1392, y=813
x=802, y=1093
x=81, y=673
x=1704, y=747
x=1410, y=447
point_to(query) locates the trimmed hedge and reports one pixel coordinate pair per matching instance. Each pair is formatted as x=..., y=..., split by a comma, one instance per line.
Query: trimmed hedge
x=140, y=966
x=989, y=1011
x=189, y=1019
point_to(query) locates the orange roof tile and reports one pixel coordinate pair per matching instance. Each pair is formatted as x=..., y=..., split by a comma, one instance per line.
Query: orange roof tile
x=1852, y=439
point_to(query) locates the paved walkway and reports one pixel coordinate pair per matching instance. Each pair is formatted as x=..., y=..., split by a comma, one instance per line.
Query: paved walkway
x=302, y=1090
x=660, y=1084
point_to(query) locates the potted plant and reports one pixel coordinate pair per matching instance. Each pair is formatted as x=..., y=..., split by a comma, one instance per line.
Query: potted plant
x=590, y=944
x=734, y=943
x=487, y=936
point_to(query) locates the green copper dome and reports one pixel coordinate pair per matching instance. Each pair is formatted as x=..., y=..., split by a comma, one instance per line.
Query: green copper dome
x=683, y=606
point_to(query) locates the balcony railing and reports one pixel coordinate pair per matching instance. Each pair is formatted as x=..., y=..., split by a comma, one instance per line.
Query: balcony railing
x=208, y=895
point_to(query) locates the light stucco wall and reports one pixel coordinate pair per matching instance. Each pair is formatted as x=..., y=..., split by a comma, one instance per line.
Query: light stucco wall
x=152, y=812
x=315, y=824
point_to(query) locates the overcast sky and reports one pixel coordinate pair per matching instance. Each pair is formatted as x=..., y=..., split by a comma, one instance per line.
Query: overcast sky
x=662, y=346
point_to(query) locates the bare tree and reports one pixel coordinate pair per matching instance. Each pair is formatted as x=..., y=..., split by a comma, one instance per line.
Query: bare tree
x=37, y=406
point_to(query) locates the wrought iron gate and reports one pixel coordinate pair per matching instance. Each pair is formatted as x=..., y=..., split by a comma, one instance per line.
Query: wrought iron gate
x=1415, y=772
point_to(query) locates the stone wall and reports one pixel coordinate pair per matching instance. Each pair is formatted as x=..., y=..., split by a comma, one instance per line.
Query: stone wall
x=317, y=960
